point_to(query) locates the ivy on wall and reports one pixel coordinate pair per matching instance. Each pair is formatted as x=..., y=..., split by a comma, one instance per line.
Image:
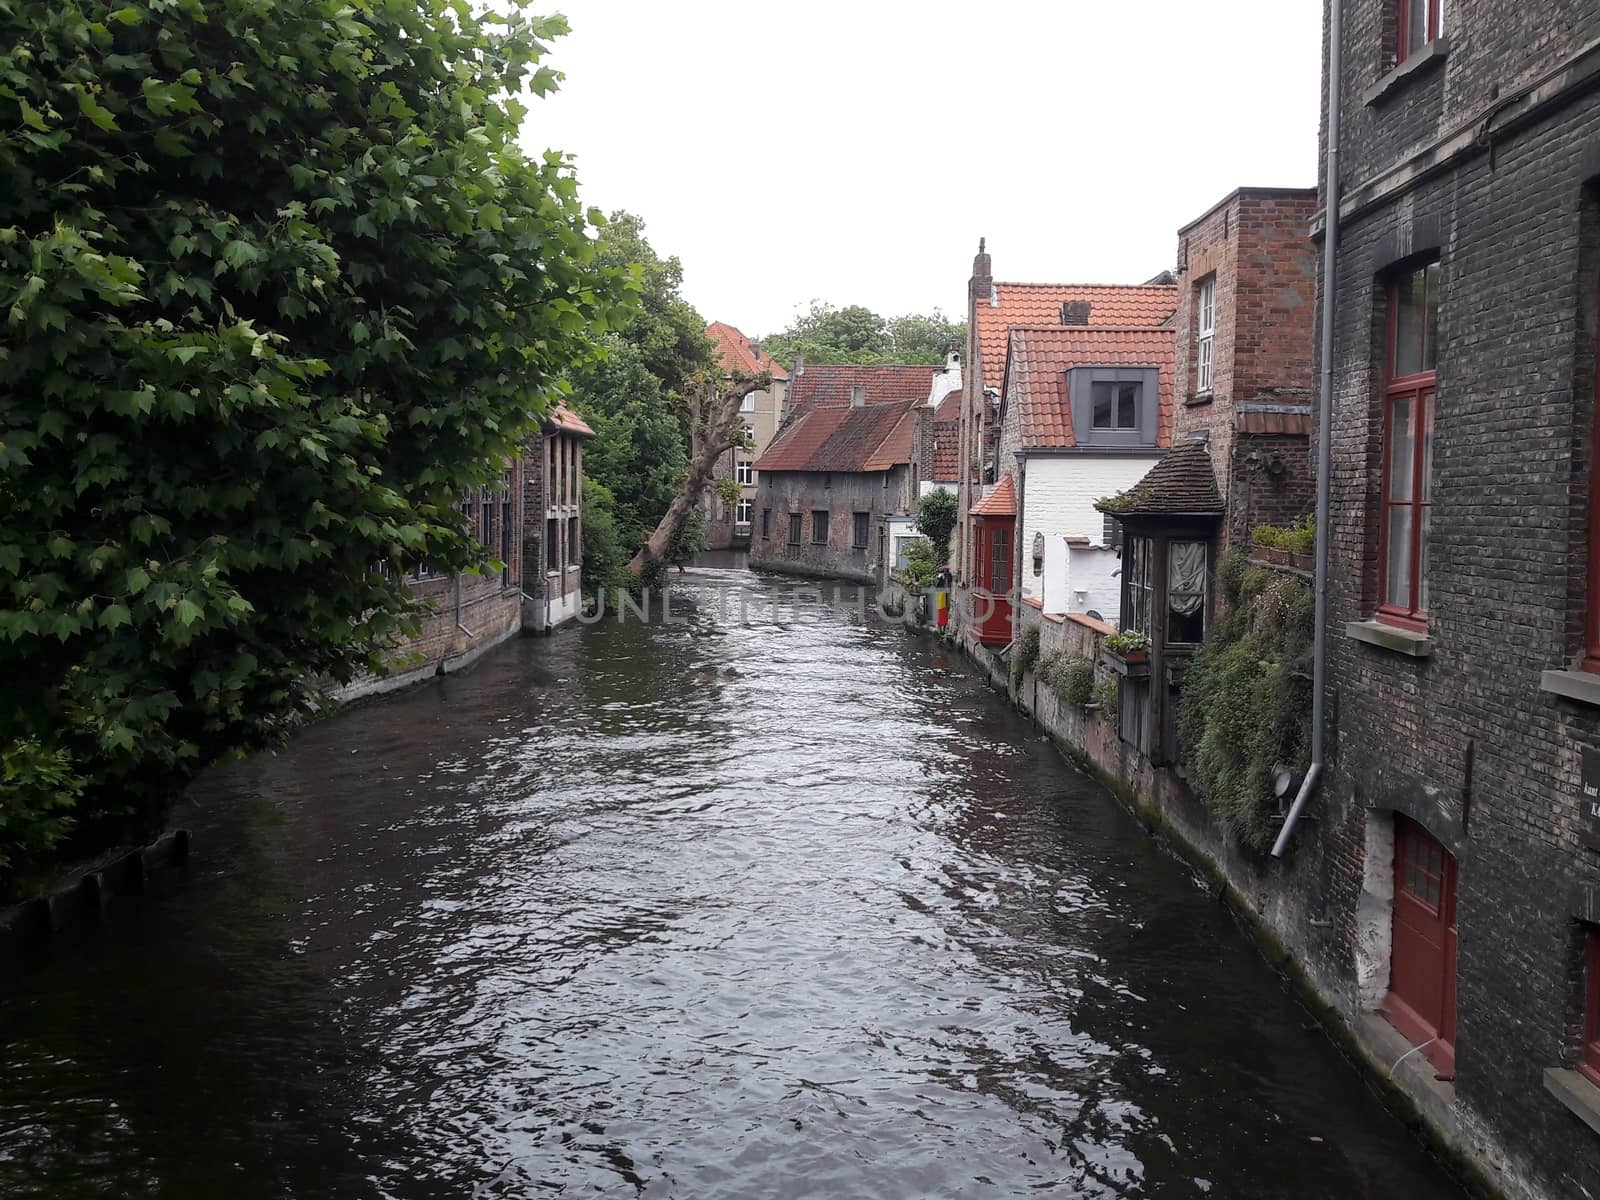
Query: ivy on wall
x=1245, y=707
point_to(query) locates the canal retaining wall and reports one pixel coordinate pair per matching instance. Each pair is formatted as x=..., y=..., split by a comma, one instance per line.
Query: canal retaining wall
x=1286, y=903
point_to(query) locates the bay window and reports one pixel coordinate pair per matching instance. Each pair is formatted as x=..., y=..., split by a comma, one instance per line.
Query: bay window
x=1408, y=406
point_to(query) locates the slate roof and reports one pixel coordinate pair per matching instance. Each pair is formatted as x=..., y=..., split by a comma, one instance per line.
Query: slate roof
x=1181, y=484
x=1297, y=424
x=1002, y=502
x=827, y=383
x=738, y=355
x=1144, y=306
x=563, y=420
x=837, y=437
x=1036, y=381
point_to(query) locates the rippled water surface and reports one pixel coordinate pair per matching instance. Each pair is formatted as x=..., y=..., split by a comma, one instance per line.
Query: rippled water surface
x=788, y=908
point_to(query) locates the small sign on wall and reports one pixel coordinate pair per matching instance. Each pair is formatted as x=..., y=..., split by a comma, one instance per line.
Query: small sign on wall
x=1589, y=800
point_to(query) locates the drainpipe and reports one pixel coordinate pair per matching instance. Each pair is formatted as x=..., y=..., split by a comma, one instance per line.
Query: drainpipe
x=1330, y=257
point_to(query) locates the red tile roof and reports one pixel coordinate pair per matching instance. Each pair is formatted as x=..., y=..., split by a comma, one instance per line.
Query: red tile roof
x=829, y=383
x=946, y=449
x=738, y=355
x=1144, y=306
x=1002, y=502
x=949, y=408
x=838, y=437
x=1035, y=377
x=563, y=420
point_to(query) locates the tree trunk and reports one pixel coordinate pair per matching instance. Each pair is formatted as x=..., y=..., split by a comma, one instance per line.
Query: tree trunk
x=713, y=413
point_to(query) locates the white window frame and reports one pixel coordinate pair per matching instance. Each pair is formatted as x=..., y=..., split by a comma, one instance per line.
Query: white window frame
x=1205, y=335
x=748, y=404
x=744, y=473
x=744, y=512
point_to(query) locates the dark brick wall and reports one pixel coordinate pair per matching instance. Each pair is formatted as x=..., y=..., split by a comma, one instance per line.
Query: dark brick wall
x=1515, y=234
x=1259, y=493
x=552, y=488
x=841, y=494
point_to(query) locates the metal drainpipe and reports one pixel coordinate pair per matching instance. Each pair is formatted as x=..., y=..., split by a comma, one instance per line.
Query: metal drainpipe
x=1330, y=257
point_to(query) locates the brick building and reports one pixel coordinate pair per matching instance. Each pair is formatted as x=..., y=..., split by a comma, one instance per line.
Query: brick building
x=847, y=457
x=728, y=526
x=1453, y=847
x=552, y=530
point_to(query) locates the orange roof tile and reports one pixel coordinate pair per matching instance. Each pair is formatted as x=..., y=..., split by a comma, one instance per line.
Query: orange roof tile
x=1002, y=502
x=946, y=449
x=949, y=408
x=834, y=384
x=1143, y=306
x=1036, y=375
x=738, y=355
x=563, y=420
x=839, y=437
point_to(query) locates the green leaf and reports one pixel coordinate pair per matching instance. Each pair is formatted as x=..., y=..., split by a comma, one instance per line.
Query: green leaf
x=187, y=612
x=126, y=16
x=95, y=111
x=115, y=615
x=31, y=116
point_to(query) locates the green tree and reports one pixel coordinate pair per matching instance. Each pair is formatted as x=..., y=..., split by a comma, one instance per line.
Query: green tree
x=936, y=520
x=854, y=334
x=278, y=286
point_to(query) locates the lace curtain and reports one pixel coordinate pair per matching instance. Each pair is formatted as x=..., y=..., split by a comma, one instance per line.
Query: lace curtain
x=1186, y=577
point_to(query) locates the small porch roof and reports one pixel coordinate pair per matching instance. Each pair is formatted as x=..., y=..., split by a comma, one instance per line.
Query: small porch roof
x=1182, y=484
x=1002, y=502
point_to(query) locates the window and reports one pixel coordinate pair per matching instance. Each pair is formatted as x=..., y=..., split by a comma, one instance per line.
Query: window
x=862, y=520
x=1116, y=405
x=1408, y=447
x=749, y=434
x=794, y=529
x=552, y=544
x=506, y=523
x=748, y=404
x=1590, y=1063
x=766, y=524
x=574, y=544
x=1000, y=559
x=1205, y=328
x=741, y=515
x=1421, y=21
x=745, y=475
x=1137, y=557
x=819, y=527
x=1186, y=592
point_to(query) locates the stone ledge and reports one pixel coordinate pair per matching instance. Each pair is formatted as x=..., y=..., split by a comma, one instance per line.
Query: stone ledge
x=1390, y=637
x=1582, y=686
x=1430, y=56
x=1580, y=1097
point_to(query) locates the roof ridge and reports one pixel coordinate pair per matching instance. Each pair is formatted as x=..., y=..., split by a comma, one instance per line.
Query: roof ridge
x=1042, y=328
x=1130, y=287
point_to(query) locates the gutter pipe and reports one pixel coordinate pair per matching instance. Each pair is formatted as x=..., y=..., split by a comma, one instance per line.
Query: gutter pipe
x=1330, y=259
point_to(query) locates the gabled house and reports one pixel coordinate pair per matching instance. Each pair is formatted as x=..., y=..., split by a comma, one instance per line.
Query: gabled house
x=846, y=457
x=994, y=307
x=552, y=526
x=729, y=525
x=1084, y=413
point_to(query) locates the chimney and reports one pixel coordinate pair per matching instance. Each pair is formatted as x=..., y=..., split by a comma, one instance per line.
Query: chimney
x=980, y=289
x=1075, y=312
x=799, y=368
x=858, y=395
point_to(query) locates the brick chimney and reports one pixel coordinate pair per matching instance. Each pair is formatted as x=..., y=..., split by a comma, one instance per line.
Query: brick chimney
x=981, y=286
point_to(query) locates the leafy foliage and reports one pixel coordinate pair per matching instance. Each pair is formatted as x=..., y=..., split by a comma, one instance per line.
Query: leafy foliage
x=919, y=568
x=1070, y=676
x=936, y=521
x=1025, y=657
x=1127, y=641
x=278, y=286
x=1105, y=695
x=1246, y=700
x=1299, y=538
x=854, y=334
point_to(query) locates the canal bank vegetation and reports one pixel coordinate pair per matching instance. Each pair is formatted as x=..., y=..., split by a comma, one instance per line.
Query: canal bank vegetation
x=249, y=378
x=1245, y=706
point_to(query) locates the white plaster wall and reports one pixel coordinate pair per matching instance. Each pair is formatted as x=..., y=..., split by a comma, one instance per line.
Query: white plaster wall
x=1058, y=501
x=927, y=487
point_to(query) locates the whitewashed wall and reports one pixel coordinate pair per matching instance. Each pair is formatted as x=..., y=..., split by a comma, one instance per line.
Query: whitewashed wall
x=1058, y=501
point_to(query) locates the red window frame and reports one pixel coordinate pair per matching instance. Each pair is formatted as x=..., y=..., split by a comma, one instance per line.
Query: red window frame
x=1417, y=390
x=1589, y=1063
x=1432, y=20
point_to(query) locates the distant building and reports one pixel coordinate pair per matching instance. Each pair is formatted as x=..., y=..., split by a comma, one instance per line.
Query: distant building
x=730, y=525
x=847, y=457
x=552, y=539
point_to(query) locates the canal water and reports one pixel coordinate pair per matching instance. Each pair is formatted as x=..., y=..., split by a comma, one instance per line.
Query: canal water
x=780, y=903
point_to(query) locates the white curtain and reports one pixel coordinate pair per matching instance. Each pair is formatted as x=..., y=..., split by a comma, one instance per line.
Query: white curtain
x=1186, y=576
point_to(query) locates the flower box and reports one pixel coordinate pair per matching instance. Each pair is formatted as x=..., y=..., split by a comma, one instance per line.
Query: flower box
x=1135, y=664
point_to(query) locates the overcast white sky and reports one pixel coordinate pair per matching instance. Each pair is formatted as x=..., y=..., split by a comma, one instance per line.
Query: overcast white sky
x=855, y=151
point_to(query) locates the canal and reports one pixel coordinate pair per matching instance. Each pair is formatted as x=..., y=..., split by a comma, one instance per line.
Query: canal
x=780, y=904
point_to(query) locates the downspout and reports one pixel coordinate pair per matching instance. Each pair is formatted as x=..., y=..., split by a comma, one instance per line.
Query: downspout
x=1330, y=257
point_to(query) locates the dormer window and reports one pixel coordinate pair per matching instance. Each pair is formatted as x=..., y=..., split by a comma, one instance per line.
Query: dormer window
x=1114, y=406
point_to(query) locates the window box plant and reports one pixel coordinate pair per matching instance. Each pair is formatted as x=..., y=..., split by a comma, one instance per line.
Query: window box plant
x=1128, y=652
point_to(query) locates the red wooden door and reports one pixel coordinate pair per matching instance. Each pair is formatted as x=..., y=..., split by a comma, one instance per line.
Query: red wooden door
x=1422, y=970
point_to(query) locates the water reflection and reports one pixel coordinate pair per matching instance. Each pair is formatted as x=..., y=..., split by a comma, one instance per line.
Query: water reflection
x=788, y=909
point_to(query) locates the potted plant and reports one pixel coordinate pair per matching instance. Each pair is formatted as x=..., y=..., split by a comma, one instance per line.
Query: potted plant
x=1301, y=543
x=1128, y=652
x=1268, y=544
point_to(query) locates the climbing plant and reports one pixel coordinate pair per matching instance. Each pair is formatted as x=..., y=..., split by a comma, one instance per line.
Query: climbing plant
x=1246, y=700
x=277, y=286
x=1025, y=657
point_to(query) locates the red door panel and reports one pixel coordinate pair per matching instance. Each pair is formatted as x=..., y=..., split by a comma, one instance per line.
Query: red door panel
x=1422, y=970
